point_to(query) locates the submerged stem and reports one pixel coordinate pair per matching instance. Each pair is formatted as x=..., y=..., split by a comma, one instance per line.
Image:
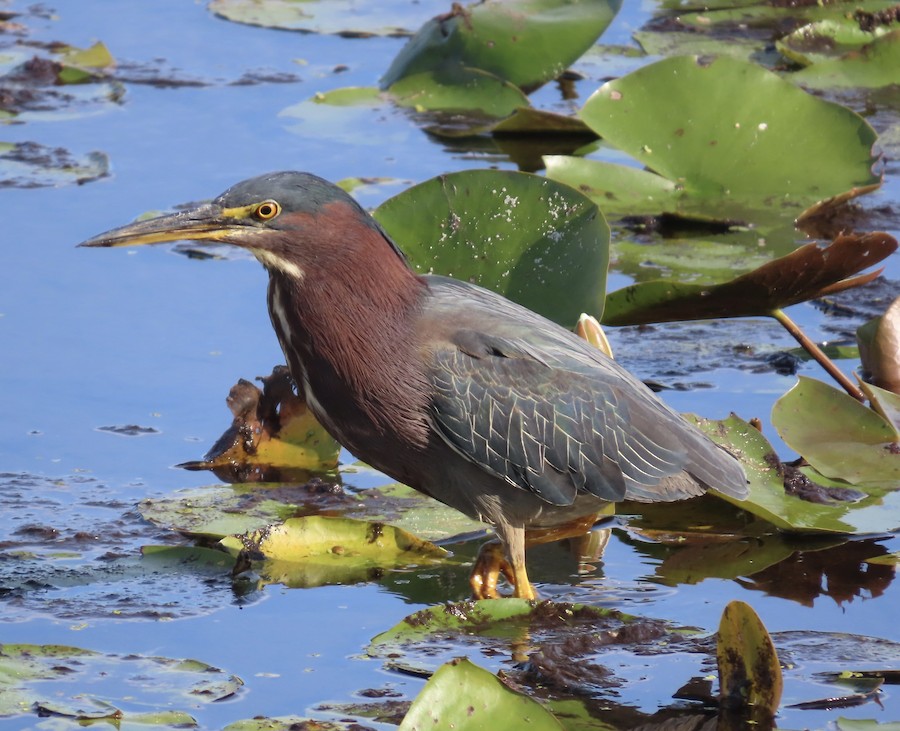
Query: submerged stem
x=816, y=352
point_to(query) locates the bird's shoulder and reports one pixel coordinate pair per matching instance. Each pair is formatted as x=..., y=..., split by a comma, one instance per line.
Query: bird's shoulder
x=458, y=316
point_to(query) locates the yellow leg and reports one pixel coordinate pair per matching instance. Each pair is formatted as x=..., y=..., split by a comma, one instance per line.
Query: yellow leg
x=522, y=586
x=507, y=556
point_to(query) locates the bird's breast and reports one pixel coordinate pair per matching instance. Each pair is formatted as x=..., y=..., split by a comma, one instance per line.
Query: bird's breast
x=366, y=391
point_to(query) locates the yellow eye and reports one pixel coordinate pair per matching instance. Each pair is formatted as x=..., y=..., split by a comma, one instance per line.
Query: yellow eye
x=267, y=210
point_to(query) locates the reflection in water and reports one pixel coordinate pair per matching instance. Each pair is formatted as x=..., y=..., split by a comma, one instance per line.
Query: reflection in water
x=839, y=572
x=799, y=569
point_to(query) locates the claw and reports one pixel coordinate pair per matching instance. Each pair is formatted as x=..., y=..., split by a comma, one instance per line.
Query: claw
x=492, y=562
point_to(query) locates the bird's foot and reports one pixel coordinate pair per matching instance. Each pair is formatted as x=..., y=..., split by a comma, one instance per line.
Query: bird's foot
x=489, y=565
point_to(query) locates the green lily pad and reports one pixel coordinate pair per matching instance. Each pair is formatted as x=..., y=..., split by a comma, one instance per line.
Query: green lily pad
x=669, y=41
x=96, y=56
x=436, y=633
x=528, y=120
x=874, y=65
x=706, y=259
x=128, y=688
x=488, y=615
x=879, y=512
x=722, y=138
x=328, y=539
x=837, y=435
x=314, y=550
x=410, y=510
x=519, y=234
x=340, y=114
x=456, y=89
x=353, y=18
x=859, y=724
x=618, y=189
x=81, y=65
x=464, y=697
x=218, y=511
x=825, y=40
x=771, y=15
x=213, y=512
x=166, y=558
x=291, y=723
x=447, y=103
x=525, y=42
x=807, y=272
x=885, y=403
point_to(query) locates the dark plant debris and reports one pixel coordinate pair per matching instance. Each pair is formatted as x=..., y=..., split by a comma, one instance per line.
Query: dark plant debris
x=129, y=430
x=868, y=22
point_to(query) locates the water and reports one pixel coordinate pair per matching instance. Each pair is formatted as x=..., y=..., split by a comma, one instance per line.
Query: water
x=150, y=337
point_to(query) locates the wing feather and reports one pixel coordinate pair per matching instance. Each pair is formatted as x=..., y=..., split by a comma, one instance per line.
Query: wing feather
x=541, y=409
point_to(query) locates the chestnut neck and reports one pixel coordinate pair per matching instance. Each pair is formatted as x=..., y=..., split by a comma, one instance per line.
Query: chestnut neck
x=352, y=323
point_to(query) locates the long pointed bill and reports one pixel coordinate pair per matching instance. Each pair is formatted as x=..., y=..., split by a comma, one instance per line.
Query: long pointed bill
x=208, y=222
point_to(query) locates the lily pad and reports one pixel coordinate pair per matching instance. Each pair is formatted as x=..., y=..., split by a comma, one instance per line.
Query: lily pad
x=525, y=42
x=96, y=56
x=826, y=40
x=705, y=259
x=874, y=65
x=837, y=435
x=672, y=41
x=723, y=138
x=884, y=403
x=878, y=512
x=436, y=634
x=313, y=550
x=589, y=329
x=45, y=89
x=770, y=15
x=519, y=234
x=859, y=724
x=292, y=723
x=217, y=511
x=808, y=272
x=464, y=697
x=341, y=113
x=459, y=89
x=126, y=688
x=352, y=18
x=314, y=537
x=528, y=120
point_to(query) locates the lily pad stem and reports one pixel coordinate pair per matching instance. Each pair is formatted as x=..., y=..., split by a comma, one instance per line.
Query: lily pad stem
x=816, y=352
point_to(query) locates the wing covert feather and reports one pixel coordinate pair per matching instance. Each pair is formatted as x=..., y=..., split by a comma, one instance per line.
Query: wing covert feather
x=541, y=409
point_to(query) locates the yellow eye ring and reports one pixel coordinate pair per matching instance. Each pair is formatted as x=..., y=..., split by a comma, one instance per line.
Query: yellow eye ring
x=267, y=210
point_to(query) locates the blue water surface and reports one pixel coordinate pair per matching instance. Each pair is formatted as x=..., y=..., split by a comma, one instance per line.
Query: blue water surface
x=95, y=338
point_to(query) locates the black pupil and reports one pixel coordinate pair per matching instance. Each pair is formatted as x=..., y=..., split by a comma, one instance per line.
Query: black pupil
x=265, y=211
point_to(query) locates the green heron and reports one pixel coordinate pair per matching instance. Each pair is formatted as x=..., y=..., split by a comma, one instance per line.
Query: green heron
x=445, y=386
